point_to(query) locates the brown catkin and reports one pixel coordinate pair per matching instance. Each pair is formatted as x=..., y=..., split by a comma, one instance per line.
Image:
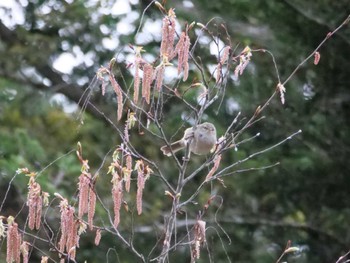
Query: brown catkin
x=13, y=243
x=92, y=207
x=143, y=172
x=34, y=202
x=183, y=48
x=117, y=195
x=168, y=34
x=39, y=210
x=25, y=251
x=159, y=77
x=147, y=81
x=127, y=176
x=139, y=194
x=136, y=80
x=67, y=226
x=212, y=171
x=225, y=54
x=83, y=187
x=119, y=93
x=98, y=237
x=317, y=57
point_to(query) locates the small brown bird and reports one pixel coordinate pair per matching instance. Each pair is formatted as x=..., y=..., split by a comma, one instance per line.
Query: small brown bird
x=203, y=140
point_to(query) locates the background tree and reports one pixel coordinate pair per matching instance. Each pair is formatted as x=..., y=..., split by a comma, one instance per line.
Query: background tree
x=303, y=199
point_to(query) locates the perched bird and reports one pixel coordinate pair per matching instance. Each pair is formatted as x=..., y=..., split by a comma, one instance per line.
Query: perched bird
x=202, y=139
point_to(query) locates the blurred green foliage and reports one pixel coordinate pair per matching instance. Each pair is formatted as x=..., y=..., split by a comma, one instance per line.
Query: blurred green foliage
x=304, y=199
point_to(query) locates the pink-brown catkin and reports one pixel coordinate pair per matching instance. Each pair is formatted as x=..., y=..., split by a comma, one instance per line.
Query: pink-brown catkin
x=13, y=244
